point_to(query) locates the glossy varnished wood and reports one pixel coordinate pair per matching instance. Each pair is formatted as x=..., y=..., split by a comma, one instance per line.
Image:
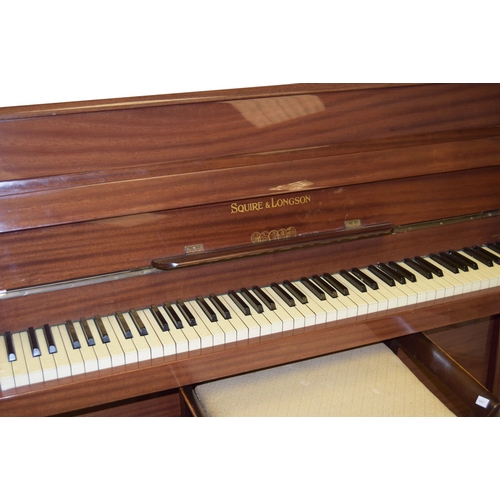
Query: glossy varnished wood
x=108, y=186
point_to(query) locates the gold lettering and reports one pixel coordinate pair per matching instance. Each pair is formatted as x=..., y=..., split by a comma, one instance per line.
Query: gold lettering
x=256, y=206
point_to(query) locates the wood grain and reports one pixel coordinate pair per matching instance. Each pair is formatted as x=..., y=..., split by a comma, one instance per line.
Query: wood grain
x=103, y=186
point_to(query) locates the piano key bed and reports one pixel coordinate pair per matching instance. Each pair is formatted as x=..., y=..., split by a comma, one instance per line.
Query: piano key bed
x=43, y=353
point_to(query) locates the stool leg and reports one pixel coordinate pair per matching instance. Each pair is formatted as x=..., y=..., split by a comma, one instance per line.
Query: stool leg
x=189, y=404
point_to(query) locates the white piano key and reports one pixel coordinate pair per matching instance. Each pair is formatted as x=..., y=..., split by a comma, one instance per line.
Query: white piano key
x=47, y=360
x=227, y=326
x=127, y=346
x=297, y=317
x=394, y=295
x=61, y=359
x=318, y=312
x=33, y=365
x=155, y=344
x=356, y=306
x=100, y=348
x=418, y=293
x=274, y=321
x=114, y=347
x=7, y=380
x=381, y=300
x=265, y=326
x=201, y=329
x=491, y=273
x=328, y=307
x=284, y=315
x=349, y=306
x=76, y=361
x=365, y=302
x=423, y=285
x=165, y=339
x=454, y=287
x=181, y=342
x=252, y=328
x=88, y=354
x=140, y=342
x=19, y=368
x=238, y=324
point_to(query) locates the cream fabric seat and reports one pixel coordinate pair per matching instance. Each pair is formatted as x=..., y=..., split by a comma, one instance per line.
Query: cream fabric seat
x=367, y=381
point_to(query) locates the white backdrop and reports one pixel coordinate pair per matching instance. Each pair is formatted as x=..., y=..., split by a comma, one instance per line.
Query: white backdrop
x=55, y=51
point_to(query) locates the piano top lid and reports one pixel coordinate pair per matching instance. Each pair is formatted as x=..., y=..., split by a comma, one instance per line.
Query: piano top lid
x=45, y=141
x=90, y=106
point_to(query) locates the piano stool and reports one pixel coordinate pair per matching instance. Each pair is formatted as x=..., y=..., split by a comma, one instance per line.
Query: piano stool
x=367, y=381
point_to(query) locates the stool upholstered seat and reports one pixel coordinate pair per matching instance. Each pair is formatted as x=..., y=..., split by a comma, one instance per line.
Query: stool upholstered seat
x=367, y=381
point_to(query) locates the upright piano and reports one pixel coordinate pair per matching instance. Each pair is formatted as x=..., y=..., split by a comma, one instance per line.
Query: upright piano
x=155, y=242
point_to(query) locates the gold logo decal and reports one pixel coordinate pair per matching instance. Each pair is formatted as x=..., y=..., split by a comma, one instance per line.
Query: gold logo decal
x=275, y=234
x=256, y=206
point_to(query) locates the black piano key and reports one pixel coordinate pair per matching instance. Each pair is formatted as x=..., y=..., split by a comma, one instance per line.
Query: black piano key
x=9, y=344
x=49, y=339
x=315, y=290
x=444, y=263
x=487, y=254
x=173, y=315
x=471, y=252
x=127, y=332
x=429, y=266
x=340, y=287
x=436, y=271
x=188, y=315
x=34, y=346
x=295, y=292
x=329, y=289
x=268, y=302
x=160, y=319
x=244, y=308
x=73, y=337
x=252, y=300
x=382, y=276
x=418, y=268
x=101, y=329
x=87, y=332
x=460, y=265
x=209, y=312
x=397, y=276
x=352, y=280
x=462, y=259
x=404, y=272
x=495, y=246
x=224, y=311
x=364, y=278
x=138, y=322
x=283, y=295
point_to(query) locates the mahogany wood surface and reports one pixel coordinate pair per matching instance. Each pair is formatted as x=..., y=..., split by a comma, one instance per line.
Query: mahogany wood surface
x=109, y=186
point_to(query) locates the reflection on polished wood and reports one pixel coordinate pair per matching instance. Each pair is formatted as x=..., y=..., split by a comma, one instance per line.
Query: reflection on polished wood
x=91, y=194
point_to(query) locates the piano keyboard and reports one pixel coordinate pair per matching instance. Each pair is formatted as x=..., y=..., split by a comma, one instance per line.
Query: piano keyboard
x=88, y=345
